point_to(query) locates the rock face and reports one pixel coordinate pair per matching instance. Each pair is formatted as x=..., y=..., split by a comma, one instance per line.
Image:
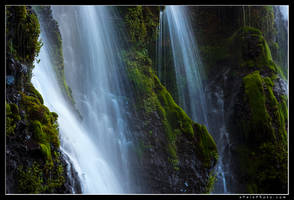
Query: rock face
x=258, y=121
x=176, y=155
x=34, y=162
x=254, y=95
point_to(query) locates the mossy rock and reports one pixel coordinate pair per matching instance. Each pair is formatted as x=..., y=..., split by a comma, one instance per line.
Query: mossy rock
x=249, y=48
x=33, y=92
x=10, y=124
x=38, y=179
x=23, y=31
x=43, y=123
x=263, y=155
x=35, y=109
x=260, y=120
x=154, y=98
x=206, y=146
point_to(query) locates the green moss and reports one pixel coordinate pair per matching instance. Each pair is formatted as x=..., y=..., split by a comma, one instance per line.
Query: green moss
x=42, y=138
x=267, y=51
x=141, y=24
x=248, y=47
x=33, y=92
x=154, y=98
x=43, y=124
x=266, y=142
x=177, y=118
x=38, y=133
x=10, y=123
x=38, y=179
x=46, y=151
x=255, y=96
x=30, y=180
x=268, y=81
x=52, y=134
x=206, y=146
x=23, y=31
x=281, y=73
x=266, y=169
x=35, y=109
x=284, y=106
x=12, y=117
x=250, y=30
x=279, y=110
x=260, y=118
x=210, y=183
x=135, y=22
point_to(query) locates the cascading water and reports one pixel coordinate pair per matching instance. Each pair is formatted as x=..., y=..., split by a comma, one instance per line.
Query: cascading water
x=98, y=146
x=187, y=63
x=188, y=72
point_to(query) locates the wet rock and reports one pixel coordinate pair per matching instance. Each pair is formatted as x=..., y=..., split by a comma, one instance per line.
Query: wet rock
x=9, y=80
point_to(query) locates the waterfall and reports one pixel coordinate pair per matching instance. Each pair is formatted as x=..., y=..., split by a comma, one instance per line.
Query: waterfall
x=99, y=145
x=188, y=74
x=187, y=64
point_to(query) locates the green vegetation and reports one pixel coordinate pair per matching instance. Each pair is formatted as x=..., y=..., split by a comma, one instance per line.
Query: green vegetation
x=43, y=121
x=211, y=180
x=48, y=177
x=251, y=50
x=279, y=111
x=207, y=146
x=44, y=128
x=12, y=117
x=33, y=92
x=152, y=97
x=266, y=136
x=142, y=25
x=41, y=179
x=255, y=96
x=22, y=32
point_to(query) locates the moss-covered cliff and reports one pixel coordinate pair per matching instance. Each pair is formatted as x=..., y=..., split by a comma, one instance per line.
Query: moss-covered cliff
x=260, y=119
x=255, y=100
x=34, y=163
x=176, y=154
